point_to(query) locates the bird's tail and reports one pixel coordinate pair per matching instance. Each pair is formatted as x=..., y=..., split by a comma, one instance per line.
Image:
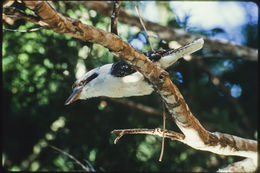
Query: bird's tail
x=176, y=54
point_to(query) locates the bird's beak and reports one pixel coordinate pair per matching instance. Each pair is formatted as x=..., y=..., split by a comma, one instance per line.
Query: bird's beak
x=74, y=96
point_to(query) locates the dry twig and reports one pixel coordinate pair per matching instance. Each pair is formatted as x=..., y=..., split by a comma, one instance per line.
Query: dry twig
x=9, y=20
x=25, y=30
x=21, y=14
x=141, y=21
x=114, y=16
x=156, y=132
x=164, y=119
x=71, y=157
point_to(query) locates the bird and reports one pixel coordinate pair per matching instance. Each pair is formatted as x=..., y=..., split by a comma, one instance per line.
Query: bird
x=119, y=79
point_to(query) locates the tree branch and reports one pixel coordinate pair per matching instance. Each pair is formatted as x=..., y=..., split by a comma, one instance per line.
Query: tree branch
x=156, y=132
x=24, y=30
x=162, y=150
x=246, y=165
x=195, y=135
x=8, y=19
x=169, y=34
x=87, y=169
x=151, y=111
x=114, y=16
x=21, y=14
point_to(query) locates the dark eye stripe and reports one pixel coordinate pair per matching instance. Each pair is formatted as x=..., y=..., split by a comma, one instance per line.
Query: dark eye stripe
x=84, y=82
x=90, y=78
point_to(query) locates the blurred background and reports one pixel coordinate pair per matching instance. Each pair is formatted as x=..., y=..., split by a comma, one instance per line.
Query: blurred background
x=39, y=68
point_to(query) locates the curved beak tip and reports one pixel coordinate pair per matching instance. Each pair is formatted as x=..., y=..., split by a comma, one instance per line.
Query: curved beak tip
x=67, y=102
x=73, y=97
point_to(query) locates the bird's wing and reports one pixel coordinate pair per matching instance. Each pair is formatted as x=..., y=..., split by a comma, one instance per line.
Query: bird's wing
x=164, y=57
x=171, y=56
x=121, y=69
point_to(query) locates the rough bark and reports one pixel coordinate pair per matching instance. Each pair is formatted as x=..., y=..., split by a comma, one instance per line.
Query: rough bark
x=246, y=165
x=194, y=133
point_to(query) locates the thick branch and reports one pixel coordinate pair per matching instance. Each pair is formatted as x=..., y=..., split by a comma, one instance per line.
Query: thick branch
x=246, y=165
x=75, y=28
x=219, y=143
x=195, y=135
x=169, y=34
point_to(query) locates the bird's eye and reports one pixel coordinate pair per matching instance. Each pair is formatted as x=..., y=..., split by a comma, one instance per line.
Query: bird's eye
x=84, y=82
x=78, y=84
x=73, y=86
x=81, y=83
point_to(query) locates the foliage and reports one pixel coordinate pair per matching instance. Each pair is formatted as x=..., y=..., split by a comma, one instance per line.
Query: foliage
x=39, y=69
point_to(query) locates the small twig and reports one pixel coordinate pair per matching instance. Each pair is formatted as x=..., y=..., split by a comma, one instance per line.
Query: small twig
x=141, y=21
x=8, y=19
x=25, y=30
x=71, y=157
x=90, y=166
x=164, y=119
x=19, y=13
x=156, y=132
x=114, y=17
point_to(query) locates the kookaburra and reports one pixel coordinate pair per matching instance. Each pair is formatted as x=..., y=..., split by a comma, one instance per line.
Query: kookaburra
x=121, y=80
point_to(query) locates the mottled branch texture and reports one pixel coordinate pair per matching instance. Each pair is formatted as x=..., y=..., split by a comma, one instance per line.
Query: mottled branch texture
x=156, y=132
x=195, y=135
x=246, y=165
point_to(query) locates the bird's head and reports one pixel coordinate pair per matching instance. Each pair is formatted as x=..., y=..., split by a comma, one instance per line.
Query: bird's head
x=91, y=84
x=81, y=85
